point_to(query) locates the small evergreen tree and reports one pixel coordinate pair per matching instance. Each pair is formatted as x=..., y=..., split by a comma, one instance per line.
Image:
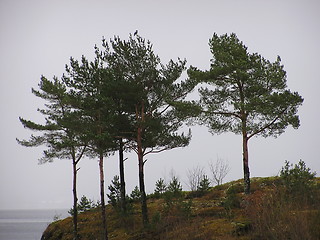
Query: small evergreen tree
x=160, y=188
x=174, y=187
x=204, y=184
x=85, y=204
x=297, y=178
x=135, y=194
x=115, y=192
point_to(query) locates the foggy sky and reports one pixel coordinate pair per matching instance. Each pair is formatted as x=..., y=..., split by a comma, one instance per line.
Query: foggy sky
x=38, y=37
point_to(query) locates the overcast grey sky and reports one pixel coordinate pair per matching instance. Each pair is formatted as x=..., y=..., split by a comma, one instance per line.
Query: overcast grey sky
x=39, y=36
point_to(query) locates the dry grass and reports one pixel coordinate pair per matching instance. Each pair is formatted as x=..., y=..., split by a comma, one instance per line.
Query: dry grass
x=224, y=213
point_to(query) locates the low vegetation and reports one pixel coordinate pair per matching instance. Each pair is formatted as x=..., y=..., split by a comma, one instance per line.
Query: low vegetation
x=282, y=207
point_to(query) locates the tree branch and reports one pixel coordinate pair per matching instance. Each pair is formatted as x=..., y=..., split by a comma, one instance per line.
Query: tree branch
x=156, y=151
x=81, y=154
x=225, y=113
x=267, y=125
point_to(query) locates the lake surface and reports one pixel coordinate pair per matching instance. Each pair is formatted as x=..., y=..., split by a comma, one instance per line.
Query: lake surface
x=27, y=224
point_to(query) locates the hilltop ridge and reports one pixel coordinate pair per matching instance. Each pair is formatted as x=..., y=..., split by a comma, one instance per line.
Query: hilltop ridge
x=223, y=212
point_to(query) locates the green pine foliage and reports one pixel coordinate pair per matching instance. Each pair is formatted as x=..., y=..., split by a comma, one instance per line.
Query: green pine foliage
x=297, y=178
x=204, y=184
x=174, y=187
x=161, y=188
x=243, y=93
x=135, y=194
x=115, y=192
x=85, y=204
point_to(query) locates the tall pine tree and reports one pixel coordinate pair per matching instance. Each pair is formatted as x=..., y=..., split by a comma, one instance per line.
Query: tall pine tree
x=150, y=90
x=89, y=83
x=244, y=93
x=59, y=133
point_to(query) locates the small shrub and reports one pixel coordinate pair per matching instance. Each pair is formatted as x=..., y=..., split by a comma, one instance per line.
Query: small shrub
x=241, y=228
x=174, y=187
x=274, y=217
x=297, y=178
x=135, y=194
x=185, y=208
x=115, y=192
x=202, y=189
x=232, y=200
x=56, y=217
x=122, y=208
x=160, y=189
x=204, y=184
x=286, y=212
x=85, y=204
x=156, y=221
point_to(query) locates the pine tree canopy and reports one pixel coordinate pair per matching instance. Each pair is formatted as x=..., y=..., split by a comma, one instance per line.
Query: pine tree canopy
x=242, y=86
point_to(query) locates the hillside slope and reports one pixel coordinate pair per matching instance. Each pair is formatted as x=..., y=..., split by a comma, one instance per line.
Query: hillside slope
x=224, y=212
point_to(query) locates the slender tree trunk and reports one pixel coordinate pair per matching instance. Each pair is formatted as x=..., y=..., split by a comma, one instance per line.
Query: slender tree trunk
x=75, y=200
x=246, y=164
x=122, y=181
x=103, y=206
x=144, y=208
x=246, y=172
x=140, y=115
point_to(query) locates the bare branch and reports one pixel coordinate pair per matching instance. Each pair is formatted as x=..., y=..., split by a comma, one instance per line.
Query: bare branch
x=219, y=170
x=195, y=176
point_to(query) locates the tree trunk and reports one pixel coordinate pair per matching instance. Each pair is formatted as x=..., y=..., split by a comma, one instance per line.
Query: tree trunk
x=140, y=116
x=103, y=206
x=75, y=200
x=246, y=164
x=144, y=208
x=246, y=172
x=122, y=180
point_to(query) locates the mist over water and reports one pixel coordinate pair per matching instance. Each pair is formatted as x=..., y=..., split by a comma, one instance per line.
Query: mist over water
x=27, y=224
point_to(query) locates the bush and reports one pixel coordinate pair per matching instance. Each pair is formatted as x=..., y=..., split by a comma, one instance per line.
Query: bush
x=135, y=194
x=232, y=200
x=286, y=212
x=115, y=192
x=204, y=184
x=85, y=204
x=297, y=180
x=174, y=187
x=160, y=189
x=274, y=217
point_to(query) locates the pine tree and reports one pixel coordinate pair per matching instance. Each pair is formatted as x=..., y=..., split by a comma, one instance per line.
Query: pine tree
x=204, y=184
x=149, y=89
x=89, y=82
x=161, y=188
x=174, y=187
x=243, y=93
x=59, y=133
x=115, y=192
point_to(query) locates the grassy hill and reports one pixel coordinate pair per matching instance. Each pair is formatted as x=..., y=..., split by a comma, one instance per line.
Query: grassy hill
x=272, y=211
x=223, y=212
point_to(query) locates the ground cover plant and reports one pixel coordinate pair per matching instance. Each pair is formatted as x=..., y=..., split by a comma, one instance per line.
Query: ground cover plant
x=271, y=211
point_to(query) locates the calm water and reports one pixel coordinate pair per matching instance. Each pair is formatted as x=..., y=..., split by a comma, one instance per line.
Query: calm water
x=26, y=224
